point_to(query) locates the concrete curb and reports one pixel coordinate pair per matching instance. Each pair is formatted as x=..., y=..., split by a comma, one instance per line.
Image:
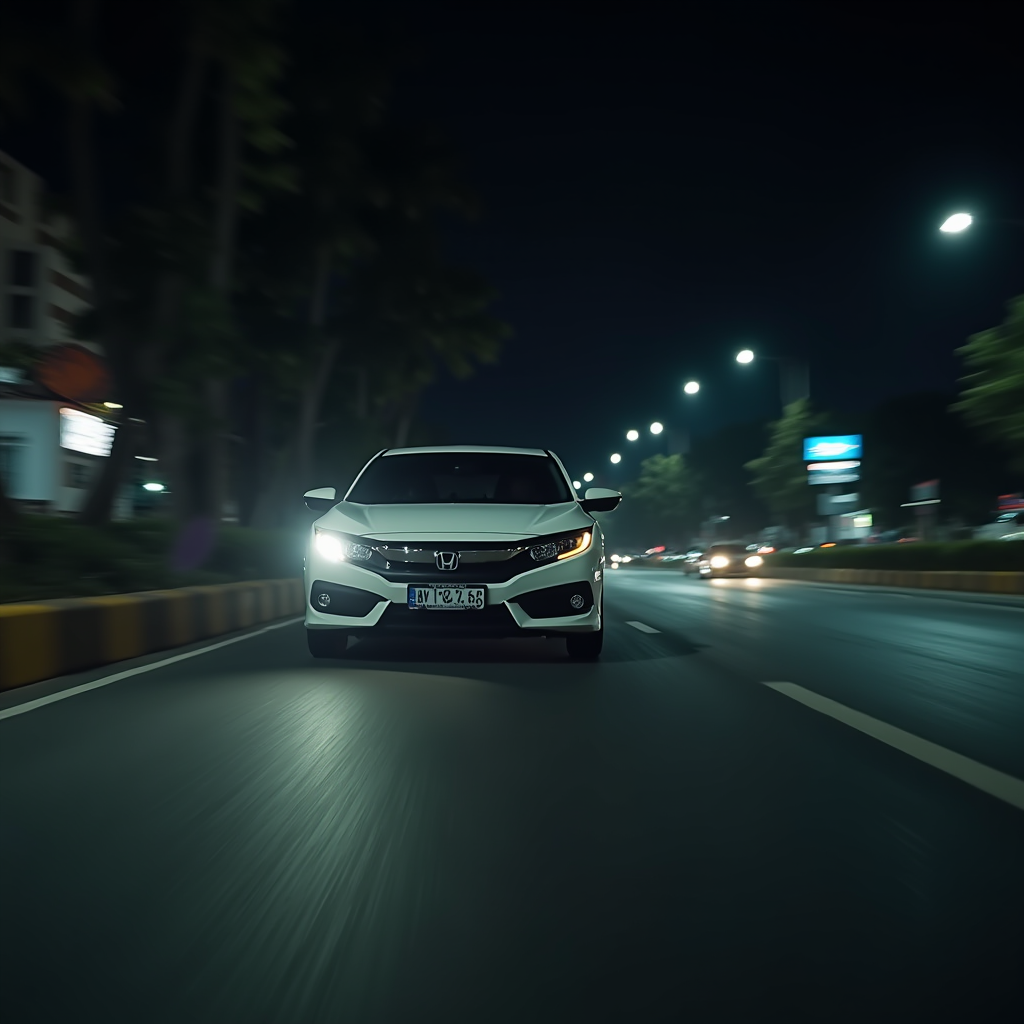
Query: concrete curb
x=53, y=638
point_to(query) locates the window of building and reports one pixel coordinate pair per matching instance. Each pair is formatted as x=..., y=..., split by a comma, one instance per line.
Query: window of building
x=19, y=311
x=12, y=462
x=7, y=193
x=76, y=475
x=23, y=269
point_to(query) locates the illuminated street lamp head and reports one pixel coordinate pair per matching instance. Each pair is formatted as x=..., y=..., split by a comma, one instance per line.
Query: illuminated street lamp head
x=656, y=427
x=746, y=356
x=153, y=486
x=577, y=484
x=113, y=405
x=958, y=222
x=616, y=458
x=588, y=477
x=691, y=387
x=632, y=435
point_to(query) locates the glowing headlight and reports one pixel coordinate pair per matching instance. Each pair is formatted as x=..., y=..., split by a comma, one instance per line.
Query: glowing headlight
x=336, y=548
x=754, y=561
x=564, y=547
x=719, y=562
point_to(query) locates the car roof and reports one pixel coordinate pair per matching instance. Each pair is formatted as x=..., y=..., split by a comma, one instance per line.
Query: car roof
x=466, y=448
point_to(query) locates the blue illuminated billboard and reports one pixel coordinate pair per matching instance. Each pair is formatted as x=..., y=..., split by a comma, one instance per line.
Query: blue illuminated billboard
x=837, y=446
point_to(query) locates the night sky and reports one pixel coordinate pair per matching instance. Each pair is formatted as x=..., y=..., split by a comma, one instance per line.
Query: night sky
x=666, y=184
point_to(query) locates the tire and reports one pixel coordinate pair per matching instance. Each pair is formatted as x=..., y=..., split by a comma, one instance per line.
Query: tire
x=326, y=643
x=586, y=646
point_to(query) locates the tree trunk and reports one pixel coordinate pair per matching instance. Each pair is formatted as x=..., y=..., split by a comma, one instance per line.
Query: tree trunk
x=81, y=145
x=217, y=461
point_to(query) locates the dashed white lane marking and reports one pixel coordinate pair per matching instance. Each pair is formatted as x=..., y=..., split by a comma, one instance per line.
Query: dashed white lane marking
x=20, y=709
x=643, y=627
x=988, y=780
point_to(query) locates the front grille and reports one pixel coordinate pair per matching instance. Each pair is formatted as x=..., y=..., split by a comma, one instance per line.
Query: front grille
x=492, y=621
x=554, y=602
x=510, y=560
x=342, y=600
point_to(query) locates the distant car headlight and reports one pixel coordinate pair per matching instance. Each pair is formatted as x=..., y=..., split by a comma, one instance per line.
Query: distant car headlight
x=562, y=547
x=754, y=561
x=336, y=547
x=719, y=562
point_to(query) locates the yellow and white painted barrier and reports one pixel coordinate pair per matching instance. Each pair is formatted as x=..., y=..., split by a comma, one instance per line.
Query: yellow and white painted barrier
x=53, y=638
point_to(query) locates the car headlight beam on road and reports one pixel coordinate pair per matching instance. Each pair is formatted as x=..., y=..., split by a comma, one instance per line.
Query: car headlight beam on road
x=719, y=562
x=335, y=547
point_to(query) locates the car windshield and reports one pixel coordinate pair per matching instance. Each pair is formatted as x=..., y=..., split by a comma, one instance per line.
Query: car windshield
x=431, y=478
x=728, y=549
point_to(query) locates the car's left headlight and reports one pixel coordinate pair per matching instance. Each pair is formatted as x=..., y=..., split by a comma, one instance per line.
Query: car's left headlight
x=719, y=562
x=562, y=547
x=336, y=547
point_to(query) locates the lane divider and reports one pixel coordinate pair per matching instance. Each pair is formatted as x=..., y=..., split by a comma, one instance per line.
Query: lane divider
x=54, y=638
x=989, y=780
x=643, y=627
x=51, y=698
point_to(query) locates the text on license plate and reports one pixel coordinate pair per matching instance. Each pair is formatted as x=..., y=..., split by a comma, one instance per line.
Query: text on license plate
x=459, y=597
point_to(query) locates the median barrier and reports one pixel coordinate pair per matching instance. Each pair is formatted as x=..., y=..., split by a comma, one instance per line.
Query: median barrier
x=936, y=579
x=52, y=638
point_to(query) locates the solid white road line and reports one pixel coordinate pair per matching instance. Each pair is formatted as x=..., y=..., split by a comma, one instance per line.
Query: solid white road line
x=20, y=709
x=643, y=627
x=989, y=780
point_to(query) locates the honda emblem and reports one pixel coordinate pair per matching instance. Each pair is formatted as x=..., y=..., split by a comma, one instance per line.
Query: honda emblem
x=447, y=559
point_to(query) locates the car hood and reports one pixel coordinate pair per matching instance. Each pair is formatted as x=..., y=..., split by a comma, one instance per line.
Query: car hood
x=448, y=522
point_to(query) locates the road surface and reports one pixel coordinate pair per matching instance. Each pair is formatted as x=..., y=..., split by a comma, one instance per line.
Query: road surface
x=769, y=801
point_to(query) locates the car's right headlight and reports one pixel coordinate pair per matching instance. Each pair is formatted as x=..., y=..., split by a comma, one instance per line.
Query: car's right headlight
x=559, y=548
x=719, y=562
x=336, y=547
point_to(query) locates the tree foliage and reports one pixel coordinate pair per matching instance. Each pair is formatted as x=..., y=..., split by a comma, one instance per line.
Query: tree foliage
x=992, y=398
x=780, y=474
x=664, y=502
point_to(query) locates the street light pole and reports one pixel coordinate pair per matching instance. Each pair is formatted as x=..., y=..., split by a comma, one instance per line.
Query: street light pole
x=794, y=375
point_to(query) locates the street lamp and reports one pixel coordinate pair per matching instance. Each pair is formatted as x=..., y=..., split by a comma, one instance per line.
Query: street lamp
x=632, y=435
x=656, y=427
x=956, y=222
x=588, y=477
x=577, y=484
x=746, y=356
x=616, y=458
x=691, y=387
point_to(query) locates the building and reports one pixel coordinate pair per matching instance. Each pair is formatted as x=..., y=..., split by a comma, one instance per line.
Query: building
x=50, y=446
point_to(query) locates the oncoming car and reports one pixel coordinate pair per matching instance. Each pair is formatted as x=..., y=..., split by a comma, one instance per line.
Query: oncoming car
x=457, y=542
x=729, y=560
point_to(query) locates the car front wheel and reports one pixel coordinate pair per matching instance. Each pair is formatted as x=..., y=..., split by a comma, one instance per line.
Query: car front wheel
x=326, y=643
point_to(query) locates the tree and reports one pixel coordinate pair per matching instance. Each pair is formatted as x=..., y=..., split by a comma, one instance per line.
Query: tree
x=992, y=399
x=780, y=474
x=665, y=500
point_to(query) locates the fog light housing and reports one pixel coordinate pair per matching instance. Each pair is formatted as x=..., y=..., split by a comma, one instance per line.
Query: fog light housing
x=323, y=600
x=577, y=601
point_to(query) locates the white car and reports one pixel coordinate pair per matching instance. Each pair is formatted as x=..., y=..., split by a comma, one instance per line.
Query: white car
x=1006, y=525
x=457, y=542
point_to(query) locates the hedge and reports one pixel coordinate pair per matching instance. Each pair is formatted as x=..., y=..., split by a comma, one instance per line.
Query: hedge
x=976, y=555
x=48, y=557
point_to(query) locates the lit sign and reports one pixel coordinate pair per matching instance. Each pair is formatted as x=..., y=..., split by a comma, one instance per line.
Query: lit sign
x=838, y=446
x=862, y=522
x=80, y=432
x=833, y=472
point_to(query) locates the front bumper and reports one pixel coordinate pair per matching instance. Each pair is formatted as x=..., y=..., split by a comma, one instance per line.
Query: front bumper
x=501, y=616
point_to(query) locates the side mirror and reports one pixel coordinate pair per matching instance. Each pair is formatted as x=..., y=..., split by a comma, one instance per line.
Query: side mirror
x=320, y=499
x=600, y=499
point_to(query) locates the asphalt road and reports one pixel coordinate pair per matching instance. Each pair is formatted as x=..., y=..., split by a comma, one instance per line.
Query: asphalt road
x=483, y=831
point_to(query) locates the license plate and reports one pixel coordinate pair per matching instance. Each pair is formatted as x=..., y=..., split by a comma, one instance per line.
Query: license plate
x=447, y=597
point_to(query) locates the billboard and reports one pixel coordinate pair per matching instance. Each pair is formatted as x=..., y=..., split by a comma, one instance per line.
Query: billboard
x=835, y=446
x=844, y=472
